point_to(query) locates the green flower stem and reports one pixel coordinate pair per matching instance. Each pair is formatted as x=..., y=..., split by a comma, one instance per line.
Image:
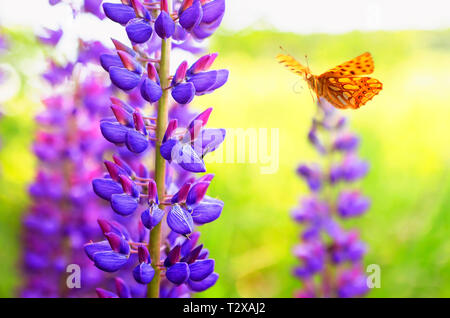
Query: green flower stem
x=160, y=164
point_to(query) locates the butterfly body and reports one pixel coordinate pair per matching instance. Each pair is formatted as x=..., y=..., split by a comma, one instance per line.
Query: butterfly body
x=344, y=86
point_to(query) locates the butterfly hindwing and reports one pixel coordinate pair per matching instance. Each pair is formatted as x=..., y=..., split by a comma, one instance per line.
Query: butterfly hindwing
x=360, y=65
x=350, y=92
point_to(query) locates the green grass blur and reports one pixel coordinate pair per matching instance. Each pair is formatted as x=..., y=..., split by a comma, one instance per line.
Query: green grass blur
x=404, y=133
x=404, y=136
x=16, y=160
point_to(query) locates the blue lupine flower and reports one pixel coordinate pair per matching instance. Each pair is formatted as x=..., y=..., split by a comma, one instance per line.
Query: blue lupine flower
x=347, y=247
x=206, y=81
x=178, y=273
x=187, y=263
x=108, y=60
x=352, y=283
x=112, y=254
x=164, y=25
x=352, y=203
x=213, y=12
x=346, y=142
x=93, y=6
x=201, y=269
x=191, y=14
x=127, y=129
x=208, y=210
x=105, y=188
x=109, y=261
x=197, y=80
x=138, y=30
x=143, y=273
x=119, y=13
x=123, y=78
x=51, y=37
x=151, y=89
x=312, y=254
x=180, y=220
x=204, y=284
x=153, y=214
x=57, y=74
x=123, y=291
x=189, y=151
x=312, y=175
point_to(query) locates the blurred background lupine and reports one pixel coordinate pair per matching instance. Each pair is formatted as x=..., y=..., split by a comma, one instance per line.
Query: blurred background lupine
x=69, y=147
x=330, y=256
x=150, y=182
x=3, y=48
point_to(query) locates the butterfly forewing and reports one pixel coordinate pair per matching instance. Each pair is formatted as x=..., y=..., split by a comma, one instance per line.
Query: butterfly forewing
x=292, y=64
x=350, y=92
x=361, y=65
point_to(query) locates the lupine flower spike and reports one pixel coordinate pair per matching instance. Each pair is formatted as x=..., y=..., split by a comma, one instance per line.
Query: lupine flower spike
x=331, y=257
x=162, y=204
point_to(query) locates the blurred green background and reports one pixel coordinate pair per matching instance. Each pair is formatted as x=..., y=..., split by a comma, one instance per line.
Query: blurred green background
x=404, y=133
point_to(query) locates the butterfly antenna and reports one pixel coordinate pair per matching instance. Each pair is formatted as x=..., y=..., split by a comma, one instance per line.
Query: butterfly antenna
x=284, y=50
x=307, y=62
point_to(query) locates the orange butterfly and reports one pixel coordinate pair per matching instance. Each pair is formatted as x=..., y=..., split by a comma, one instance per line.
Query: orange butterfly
x=342, y=86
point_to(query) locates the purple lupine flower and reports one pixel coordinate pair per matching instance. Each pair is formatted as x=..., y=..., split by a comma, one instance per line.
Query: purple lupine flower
x=350, y=169
x=213, y=12
x=346, y=142
x=151, y=89
x=312, y=254
x=54, y=2
x=120, y=13
x=122, y=290
x=90, y=51
x=187, y=262
x=352, y=203
x=57, y=74
x=191, y=14
x=111, y=254
x=126, y=128
x=169, y=197
x=164, y=24
x=51, y=37
x=3, y=42
x=330, y=256
x=312, y=175
x=144, y=272
x=189, y=148
x=93, y=6
x=352, y=283
x=347, y=247
x=197, y=80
